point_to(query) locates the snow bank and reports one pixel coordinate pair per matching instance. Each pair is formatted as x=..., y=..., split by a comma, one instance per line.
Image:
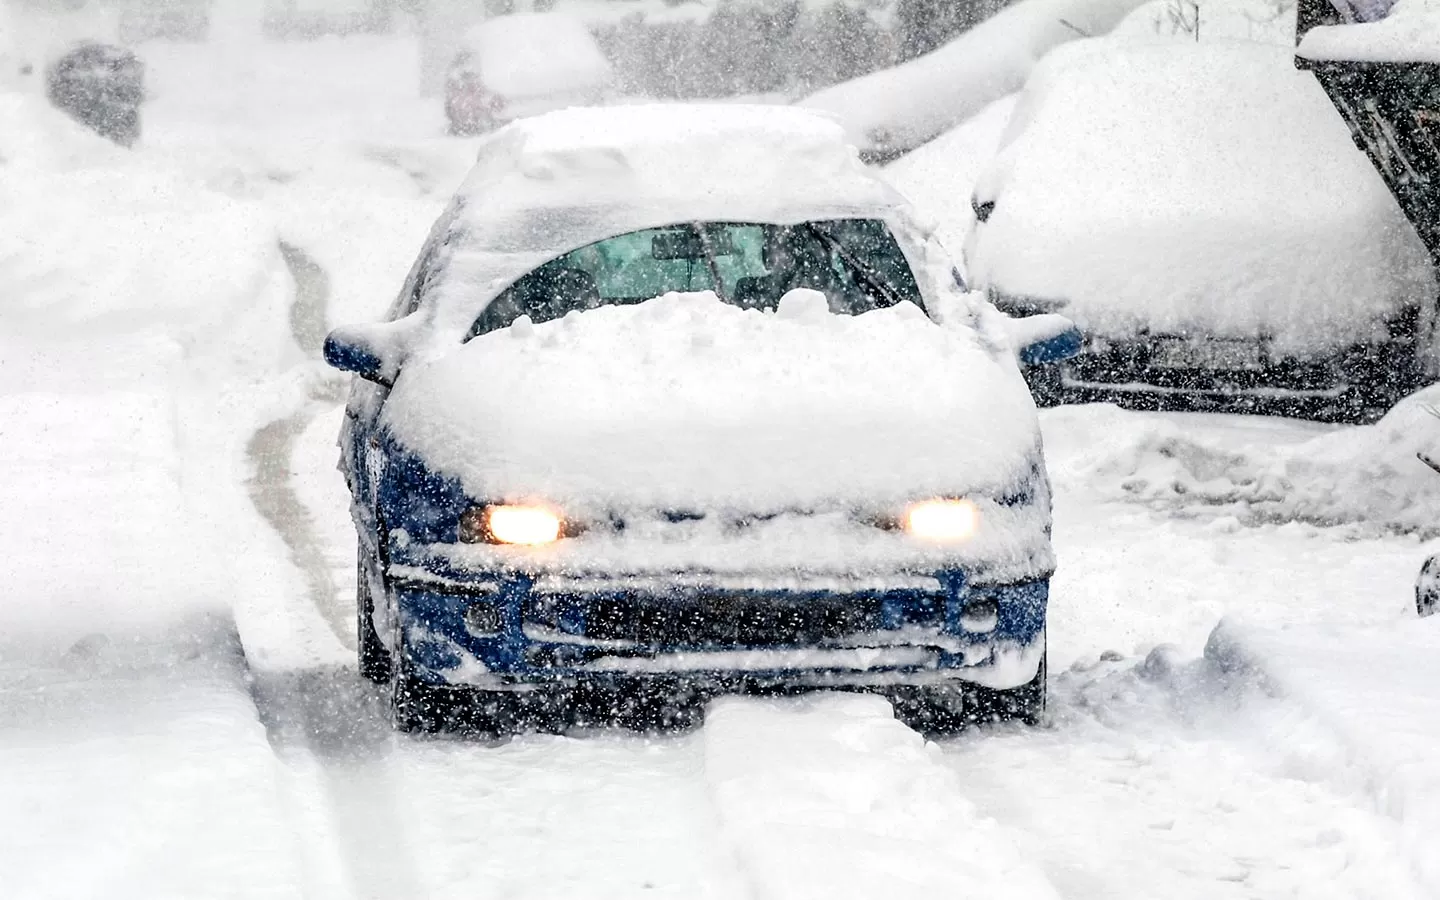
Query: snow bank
x=939, y=177
x=1410, y=32
x=1366, y=478
x=1371, y=691
x=1194, y=187
x=897, y=109
x=831, y=797
x=537, y=54
x=686, y=400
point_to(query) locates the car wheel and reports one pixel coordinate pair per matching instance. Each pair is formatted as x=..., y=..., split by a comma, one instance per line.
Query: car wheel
x=374, y=658
x=945, y=709
x=1427, y=588
x=418, y=707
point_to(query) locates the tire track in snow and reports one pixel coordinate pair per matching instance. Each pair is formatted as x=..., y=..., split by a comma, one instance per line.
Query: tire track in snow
x=325, y=723
x=1160, y=780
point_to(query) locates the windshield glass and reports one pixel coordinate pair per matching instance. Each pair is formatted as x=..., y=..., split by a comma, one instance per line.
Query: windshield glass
x=855, y=263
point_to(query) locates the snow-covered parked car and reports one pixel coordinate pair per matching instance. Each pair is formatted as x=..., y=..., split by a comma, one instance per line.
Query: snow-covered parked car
x=102, y=87
x=1201, y=212
x=676, y=401
x=523, y=65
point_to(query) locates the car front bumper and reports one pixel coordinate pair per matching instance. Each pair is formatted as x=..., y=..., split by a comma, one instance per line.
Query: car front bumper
x=517, y=631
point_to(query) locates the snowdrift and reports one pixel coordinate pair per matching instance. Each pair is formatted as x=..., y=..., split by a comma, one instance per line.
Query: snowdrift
x=898, y=109
x=1192, y=188
x=1367, y=478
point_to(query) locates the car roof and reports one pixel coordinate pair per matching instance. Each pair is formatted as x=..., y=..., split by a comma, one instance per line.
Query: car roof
x=545, y=186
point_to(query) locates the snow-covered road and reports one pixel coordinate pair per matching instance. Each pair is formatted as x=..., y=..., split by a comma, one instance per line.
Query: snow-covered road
x=180, y=714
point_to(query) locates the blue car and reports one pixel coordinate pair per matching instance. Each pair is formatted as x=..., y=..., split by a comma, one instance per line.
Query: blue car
x=682, y=401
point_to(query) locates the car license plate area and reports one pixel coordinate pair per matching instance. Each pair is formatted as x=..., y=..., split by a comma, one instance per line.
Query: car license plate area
x=1218, y=355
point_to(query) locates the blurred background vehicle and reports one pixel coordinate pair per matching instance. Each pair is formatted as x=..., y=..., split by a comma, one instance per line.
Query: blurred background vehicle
x=172, y=20
x=523, y=65
x=101, y=86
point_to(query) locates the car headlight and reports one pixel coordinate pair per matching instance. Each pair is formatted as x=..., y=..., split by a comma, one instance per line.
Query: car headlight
x=942, y=521
x=511, y=524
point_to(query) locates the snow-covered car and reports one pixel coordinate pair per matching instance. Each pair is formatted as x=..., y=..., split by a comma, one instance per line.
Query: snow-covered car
x=676, y=401
x=102, y=87
x=523, y=65
x=1202, y=214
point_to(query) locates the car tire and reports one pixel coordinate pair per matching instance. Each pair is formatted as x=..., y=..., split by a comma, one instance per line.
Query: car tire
x=943, y=710
x=374, y=658
x=1427, y=588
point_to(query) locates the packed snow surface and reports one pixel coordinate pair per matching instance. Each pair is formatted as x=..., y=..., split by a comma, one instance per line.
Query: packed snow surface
x=686, y=400
x=537, y=54
x=1188, y=188
x=1410, y=32
x=901, y=108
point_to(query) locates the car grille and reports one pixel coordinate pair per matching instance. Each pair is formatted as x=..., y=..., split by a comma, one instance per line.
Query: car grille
x=712, y=620
x=1139, y=362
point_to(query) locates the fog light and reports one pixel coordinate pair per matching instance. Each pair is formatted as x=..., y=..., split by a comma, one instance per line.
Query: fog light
x=482, y=617
x=980, y=615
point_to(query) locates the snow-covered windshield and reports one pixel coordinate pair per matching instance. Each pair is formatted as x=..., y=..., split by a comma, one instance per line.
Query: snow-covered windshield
x=855, y=263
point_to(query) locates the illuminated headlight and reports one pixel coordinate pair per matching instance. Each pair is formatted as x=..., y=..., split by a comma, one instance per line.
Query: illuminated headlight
x=943, y=521
x=511, y=524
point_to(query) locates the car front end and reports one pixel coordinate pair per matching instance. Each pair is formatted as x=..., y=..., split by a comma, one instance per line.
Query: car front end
x=526, y=604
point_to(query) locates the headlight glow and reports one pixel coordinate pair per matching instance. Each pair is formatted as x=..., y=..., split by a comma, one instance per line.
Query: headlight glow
x=943, y=521
x=511, y=524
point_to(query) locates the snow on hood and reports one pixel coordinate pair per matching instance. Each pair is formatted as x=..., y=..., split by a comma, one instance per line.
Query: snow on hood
x=686, y=402
x=1189, y=187
x=544, y=186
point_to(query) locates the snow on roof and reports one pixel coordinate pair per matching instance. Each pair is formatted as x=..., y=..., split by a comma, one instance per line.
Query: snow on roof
x=537, y=54
x=1409, y=32
x=905, y=106
x=548, y=185
x=1184, y=186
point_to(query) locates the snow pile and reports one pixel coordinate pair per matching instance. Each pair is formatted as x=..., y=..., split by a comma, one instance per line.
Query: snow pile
x=98, y=238
x=897, y=109
x=939, y=177
x=1369, y=693
x=685, y=400
x=831, y=797
x=1366, y=477
x=1194, y=188
x=538, y=54
x=1409, y=33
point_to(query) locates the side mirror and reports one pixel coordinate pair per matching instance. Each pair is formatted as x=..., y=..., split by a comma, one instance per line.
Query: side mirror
x=352, y=349
x=1046, y=338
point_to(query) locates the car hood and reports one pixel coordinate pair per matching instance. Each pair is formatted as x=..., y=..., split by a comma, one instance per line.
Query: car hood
x=684, y=402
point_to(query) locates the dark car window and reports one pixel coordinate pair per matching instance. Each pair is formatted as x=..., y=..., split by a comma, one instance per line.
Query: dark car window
x=856, y=263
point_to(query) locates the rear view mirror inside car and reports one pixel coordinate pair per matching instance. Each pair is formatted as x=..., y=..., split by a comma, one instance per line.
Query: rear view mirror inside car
x=688, y=244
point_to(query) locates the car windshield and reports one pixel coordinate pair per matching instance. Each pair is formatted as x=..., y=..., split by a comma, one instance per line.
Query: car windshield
x=855, y=263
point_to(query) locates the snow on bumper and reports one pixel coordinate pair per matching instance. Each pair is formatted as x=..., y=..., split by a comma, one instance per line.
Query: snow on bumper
x=512, y=630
